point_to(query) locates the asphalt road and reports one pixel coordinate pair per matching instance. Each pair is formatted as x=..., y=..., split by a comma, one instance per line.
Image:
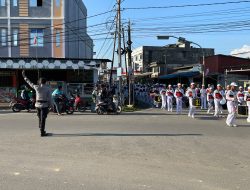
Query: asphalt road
x=150, y=149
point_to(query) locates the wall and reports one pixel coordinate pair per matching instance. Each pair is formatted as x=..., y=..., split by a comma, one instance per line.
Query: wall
x=78, y=43
x=173, y=57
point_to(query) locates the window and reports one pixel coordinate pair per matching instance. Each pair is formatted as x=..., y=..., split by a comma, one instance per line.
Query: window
x=39, y=3
x=58, y=2
x=36, y=3
x=15, y=37
x=36, y=38
x=58, y=38
x=4, y=37
x=2, y=3
x=14, y=3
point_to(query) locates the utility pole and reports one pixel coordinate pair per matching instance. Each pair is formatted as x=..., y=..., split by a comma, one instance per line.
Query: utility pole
x=129, y=50
x=119, y=43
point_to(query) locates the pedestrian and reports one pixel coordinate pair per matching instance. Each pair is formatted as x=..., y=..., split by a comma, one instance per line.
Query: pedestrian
x=178, y=94
x=240, y=95
x=210, y=100
x=170, y=95
x=218, y=96
x=231, y=97
x=163, y=98
x=247, y=99
x=43, y=101
x=191, y=94
x=203, y=92
x=57, y=93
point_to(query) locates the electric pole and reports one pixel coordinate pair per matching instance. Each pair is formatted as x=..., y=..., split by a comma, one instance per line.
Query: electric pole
x=130, y=63
x=119, y=44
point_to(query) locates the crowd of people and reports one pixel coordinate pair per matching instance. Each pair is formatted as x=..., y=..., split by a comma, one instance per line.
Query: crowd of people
x=211, y=98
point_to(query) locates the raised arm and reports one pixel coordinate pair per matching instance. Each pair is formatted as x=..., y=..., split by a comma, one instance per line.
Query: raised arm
x=27, y=80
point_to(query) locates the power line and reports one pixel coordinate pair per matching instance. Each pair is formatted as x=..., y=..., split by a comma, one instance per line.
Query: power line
x=54, y=35
x=183, y=6
x=51, y=27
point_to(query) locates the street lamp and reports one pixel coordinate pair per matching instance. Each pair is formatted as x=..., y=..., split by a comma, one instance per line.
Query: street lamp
x=183, y=40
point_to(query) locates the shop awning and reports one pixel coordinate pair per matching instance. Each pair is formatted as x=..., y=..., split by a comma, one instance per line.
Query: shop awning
x=180, y=74
x=50, y=63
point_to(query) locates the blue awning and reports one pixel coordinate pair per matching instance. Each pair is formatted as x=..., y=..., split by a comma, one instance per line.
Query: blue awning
x=180, y=74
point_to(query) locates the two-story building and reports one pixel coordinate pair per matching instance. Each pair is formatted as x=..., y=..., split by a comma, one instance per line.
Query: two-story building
x=161, y=61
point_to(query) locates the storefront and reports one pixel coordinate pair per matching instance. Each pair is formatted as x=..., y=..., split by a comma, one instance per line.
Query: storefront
x=74, y=74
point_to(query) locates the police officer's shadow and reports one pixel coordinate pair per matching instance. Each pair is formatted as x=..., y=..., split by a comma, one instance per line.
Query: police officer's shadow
x=119, y=135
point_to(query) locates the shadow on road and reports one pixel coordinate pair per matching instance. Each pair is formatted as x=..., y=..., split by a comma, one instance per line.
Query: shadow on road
x=120, y=135
x=244, y=125
x=209, y=118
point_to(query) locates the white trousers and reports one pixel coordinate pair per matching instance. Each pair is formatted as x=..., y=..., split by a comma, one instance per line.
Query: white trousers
x=170, y=103
x=217, y=107
x=203, y=102
x=210, y=106
x=191, y=108
x=248, y=105
x=231, y=107
x=163, y=102
x=178, y=105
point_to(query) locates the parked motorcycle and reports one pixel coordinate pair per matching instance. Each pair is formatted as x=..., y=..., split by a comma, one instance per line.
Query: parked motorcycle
x=18, y=104
x=66, y=105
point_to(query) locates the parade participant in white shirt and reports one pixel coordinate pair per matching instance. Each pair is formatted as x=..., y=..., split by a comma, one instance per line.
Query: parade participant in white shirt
x=218, y=96
x=178, y=94
x=247, y=99
x=231, y=97
x=240, y=95
x=227, y=89
x=163, y=98
x=210, y=100
x=203, y=92
x=170, y=95
x=191, y=94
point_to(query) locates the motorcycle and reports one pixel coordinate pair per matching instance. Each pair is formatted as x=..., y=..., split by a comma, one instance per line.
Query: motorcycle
x=65, y=105
x=18, y=104
x=80, y=104
x=108, y=107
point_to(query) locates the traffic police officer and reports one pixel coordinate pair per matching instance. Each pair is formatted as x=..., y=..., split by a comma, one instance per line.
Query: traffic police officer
x=43, y=101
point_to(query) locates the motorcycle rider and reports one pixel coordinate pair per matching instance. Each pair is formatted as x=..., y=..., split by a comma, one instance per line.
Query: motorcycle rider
x=56, y=98
x=43, y=101
x=25, y=96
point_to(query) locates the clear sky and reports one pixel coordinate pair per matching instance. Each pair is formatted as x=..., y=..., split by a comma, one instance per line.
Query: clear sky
x=208, y=26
